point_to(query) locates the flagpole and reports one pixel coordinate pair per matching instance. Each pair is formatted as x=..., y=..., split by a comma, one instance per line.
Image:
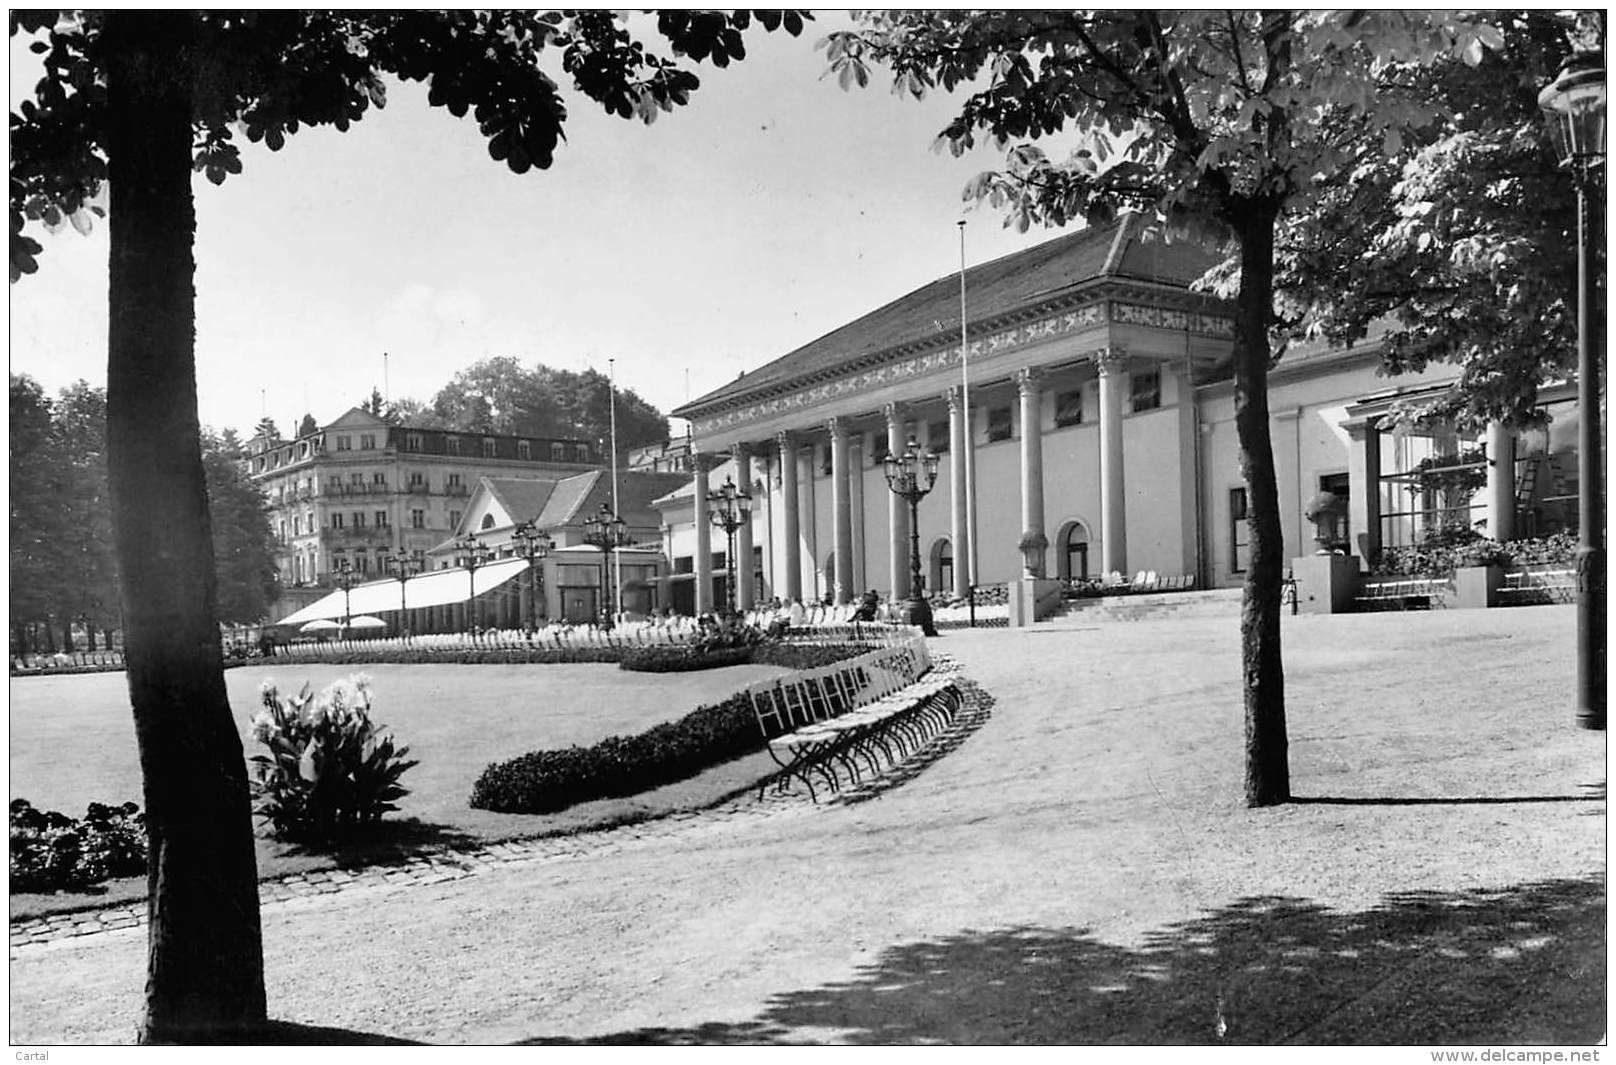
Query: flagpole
x=611, y=384
x=970, y=439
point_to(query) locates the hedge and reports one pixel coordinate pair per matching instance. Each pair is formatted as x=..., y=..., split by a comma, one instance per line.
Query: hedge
x=550, y=780
x=682, y=659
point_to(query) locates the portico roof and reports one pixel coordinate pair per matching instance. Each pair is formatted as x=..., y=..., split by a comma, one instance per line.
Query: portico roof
x=1124, y=250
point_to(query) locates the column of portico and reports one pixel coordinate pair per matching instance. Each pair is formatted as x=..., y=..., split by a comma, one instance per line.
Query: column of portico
x=1112, y=364
x=1032, y=468
x=898, y=511
x=704, y=536
x=745, y=586
x=842, y=508
x=790, y=529
x=1500, y=482
x=956, y=487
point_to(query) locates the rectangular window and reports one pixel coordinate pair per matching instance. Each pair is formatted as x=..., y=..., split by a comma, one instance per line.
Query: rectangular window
x=417, y=519
x=1145, y=390
x=336, y=520
x=826, y=466
x=558, y=452
x=490, y=447
x=367, y=441
x=379, y=478
x=412, y=441
x=454, y=519
x=999, y=423
x=335, y=484
x=524, y=449
x=417, y=479
x=878, y=448
x=454, y=480
x=381, y=519
x=297, y=527
x=452, y=445
x=684, y=564
x=719, y=565
x=937, y=436
x=1239, y=532
x=344, y=443
x=580, y=452
x=356, y=478
x=1069, y=408
x=361, y=561
x=359, y=519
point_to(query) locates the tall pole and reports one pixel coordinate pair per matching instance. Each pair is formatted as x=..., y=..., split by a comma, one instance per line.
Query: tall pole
x=611, y=384
x=1590, y=477
x=969, y=554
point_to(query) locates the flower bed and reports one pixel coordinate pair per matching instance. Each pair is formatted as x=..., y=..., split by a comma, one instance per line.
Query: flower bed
x=51, y=851
x=551, y=780
x=1439, y=556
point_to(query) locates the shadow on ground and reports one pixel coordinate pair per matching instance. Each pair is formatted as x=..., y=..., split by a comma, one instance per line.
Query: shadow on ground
x=385, y=842
x=1519, y=965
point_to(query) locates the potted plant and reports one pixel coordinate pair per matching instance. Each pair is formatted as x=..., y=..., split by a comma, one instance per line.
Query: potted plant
x=1327, y=512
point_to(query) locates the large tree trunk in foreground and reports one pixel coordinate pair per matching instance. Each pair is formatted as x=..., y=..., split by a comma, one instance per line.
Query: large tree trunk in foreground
x=205, y=966
x=1268, y=778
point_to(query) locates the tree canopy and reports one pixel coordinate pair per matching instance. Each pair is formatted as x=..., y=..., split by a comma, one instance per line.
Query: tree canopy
x=499, y=395
x=1452, y=241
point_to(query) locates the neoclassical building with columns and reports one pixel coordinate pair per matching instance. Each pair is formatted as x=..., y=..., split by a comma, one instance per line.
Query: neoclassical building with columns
x=1085, y=426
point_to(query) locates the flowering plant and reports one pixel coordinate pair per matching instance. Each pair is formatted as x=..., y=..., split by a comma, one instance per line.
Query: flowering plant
x=330, y=769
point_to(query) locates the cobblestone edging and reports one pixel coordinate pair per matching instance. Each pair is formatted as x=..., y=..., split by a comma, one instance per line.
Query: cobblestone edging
x=450, y=865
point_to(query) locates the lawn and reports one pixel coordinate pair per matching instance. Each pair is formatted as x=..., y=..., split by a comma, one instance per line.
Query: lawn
x=73, y=740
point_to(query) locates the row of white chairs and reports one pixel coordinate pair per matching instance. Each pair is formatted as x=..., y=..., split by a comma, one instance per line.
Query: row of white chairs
x=888, y=701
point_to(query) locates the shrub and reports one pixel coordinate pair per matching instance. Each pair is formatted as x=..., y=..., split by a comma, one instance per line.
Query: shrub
x=330, y=770
x=51, y=851
x=547, y=781
x=682, y=659
x=1445, y=550
x=1557, y=550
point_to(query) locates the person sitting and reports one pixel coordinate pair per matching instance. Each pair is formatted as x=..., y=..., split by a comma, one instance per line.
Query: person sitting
x=868, y=607
x=796, y=614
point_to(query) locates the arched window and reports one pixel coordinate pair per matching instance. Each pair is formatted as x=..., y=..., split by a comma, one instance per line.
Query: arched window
x=1072, y=556
x=488, y=521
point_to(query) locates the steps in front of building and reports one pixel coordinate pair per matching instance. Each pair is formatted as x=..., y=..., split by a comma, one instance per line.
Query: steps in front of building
x=1211, y=602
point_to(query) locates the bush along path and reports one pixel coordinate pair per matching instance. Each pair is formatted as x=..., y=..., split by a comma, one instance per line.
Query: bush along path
x=550, y=780
x=740, y=806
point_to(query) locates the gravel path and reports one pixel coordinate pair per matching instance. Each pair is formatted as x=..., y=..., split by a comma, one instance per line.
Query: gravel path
x=1074, y=866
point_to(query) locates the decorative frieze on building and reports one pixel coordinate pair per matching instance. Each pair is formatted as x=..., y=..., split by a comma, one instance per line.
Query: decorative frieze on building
x=1176, y=320
x=998, y=342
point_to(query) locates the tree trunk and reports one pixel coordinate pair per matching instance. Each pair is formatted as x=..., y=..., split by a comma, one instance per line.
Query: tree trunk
x=205, y=963
x=1268, y=779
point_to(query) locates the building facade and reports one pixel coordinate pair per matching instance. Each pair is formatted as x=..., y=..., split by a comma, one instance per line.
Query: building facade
x=1085, y=427
x=361, y=489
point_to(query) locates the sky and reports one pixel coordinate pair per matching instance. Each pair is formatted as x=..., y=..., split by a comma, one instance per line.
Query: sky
x=774, y=208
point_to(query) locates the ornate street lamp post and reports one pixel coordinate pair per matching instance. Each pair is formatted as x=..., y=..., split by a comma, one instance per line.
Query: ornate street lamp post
x=605, y=531
x=532, y=544
x=401, y=568
x=471, y=553
x=1574, y=107
x=343, y=576
x=729, y=508
x=910, y=476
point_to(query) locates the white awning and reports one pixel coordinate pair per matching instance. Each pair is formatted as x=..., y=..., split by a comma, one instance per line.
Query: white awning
x=438, y=588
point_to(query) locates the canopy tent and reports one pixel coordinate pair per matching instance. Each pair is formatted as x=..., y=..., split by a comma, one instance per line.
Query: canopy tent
x=438, y=588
